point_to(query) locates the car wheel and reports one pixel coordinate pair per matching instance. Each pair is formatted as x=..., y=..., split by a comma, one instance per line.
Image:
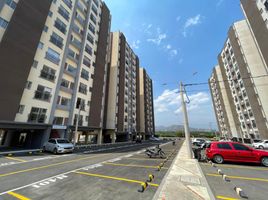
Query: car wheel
x=162, y=154
x=261, y=147
x=264, y=161
x=55, y=151
x=218, y=159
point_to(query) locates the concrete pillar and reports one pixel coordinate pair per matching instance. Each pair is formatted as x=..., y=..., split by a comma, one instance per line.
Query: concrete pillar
x=113, y=135
x=99, y=136
x=86, y=138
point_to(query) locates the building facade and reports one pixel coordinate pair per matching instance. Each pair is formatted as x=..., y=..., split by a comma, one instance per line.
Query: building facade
x=224, y=109
x=244, y=72
x=53, y=66
x=122, y=107
x=147, y=126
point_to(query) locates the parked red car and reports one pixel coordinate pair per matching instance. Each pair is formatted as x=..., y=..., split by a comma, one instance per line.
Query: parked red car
x=236, y=152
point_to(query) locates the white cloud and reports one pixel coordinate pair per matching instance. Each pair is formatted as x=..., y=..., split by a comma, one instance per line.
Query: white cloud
x=192, y=21
x=173, y=52
x=170, y=101
x=135, y=44
x=168, y=47
x=158, y=39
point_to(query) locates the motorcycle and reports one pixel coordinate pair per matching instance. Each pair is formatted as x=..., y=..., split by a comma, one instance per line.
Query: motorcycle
x=157, y=151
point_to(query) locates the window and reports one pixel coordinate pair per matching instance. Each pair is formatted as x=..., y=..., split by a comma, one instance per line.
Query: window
x=86, y=61
x=91, y=28
x=68, y=3
x=85, y=74
x=45, y=28
x=58, y=120
x=50, y=14
x=57, y=40
x=96, y=2
x=21, y=109
x=90, y=38
x=80, y=102
x=240, y=147
x=94, y=9
x=63, y=12
x=83, y=88
x=35, y=63
x=40, y=45
x=3, y=23
x=65, y=83
x=224, y=146
x=266, y=5
x=43, y=93
x=88, y=49
x=53, y=56
x=48, y=73
x=12, y=4
x=73, y=55
x=28, y=85
x=93, y=18
x=37, y=115
x=54, y=1
x=60, y=25
x=65, y=101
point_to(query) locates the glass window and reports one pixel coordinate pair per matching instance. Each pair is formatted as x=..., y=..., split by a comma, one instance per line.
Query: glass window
x=93, y=18
x=50, y=14
x=40, y=45
x=224, y=146
x=63, y=12
x=28, y=85
x=85, y=74
x=57, y=40
x=94, y=9
x=240, y=147
x=35, y=63
x=91, y=27
x=88, y=49
x=45, y=28
x=68, y=3
x=11, y=3
x=60, y=25
x=90, y=38
x=53, y=56
x=3, y=23
x=21, y=109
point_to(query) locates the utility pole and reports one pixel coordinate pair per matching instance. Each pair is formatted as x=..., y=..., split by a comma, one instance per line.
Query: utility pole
x=186, y=124
x=76, y=124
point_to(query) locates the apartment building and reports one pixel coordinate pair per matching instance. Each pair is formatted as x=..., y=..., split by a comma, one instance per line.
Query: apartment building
x=244, y=70
x=224, y=108
x=122, y=108
x=53, y=62
x=147, y=126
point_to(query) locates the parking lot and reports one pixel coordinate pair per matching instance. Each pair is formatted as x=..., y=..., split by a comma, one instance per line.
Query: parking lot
x=117, y=174
x=251, y=178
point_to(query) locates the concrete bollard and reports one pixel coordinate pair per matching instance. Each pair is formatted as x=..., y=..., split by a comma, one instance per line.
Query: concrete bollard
x=151, y=177
x=240, y=192
x=143, y=187
x=220, y=172
x=225, y=178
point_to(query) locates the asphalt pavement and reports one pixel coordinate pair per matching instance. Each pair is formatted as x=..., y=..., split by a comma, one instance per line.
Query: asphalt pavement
x=251, y=178
x=112, y=174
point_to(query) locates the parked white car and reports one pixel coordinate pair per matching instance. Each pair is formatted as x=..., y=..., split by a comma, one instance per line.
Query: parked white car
x=261, y=145
x=58, y=145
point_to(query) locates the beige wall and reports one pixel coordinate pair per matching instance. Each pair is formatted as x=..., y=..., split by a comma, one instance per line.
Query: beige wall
x=142, y=102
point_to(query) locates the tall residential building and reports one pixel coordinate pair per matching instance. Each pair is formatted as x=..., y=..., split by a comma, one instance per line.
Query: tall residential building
x=147, y=126
x=122, y=108
x=224, y=108
x=53, y=61
x=246, y=76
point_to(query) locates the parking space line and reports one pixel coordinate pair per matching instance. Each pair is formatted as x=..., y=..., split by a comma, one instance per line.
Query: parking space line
x=130, y=165
x=115, y=178
x=18, y=196
x=154, y=159
x=17, y=159
x=46, y=166
x=241, y=177
x=239, y=167
x=226, y=198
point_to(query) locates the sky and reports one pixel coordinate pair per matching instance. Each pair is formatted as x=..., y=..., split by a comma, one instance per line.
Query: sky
x=177, y=41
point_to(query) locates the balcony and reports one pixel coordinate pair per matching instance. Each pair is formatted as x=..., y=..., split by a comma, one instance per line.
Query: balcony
x=44, y=96
x=36, y=118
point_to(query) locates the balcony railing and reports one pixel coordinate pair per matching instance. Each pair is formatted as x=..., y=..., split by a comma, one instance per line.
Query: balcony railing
x=44, y=74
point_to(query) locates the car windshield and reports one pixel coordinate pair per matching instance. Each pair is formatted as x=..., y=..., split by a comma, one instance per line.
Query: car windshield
x=62, y=141
x=257, y=141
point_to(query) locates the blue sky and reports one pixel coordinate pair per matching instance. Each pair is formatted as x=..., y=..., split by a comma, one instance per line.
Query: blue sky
x=177, y=40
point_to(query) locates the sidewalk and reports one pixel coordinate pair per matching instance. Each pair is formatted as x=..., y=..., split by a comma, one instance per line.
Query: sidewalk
x=184, y=180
